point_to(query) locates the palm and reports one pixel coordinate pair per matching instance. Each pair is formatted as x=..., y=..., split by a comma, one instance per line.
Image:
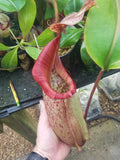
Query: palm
x=48, y=144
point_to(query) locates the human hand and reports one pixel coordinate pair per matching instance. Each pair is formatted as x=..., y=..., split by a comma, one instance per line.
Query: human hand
x=48, y=144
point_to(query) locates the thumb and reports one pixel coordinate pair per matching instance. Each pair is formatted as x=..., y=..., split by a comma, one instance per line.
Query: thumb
x=43, y=114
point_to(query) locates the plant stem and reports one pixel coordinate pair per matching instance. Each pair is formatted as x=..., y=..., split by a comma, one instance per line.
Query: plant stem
x=7, y=69
x=56, y=11
x=92, y=92
x=35, y=28
x=14, y=36
x=19, y=44
x=54, y=2
x=36, y=42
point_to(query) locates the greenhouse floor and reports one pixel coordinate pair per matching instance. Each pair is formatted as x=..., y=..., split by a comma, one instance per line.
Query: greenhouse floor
x=104, y=143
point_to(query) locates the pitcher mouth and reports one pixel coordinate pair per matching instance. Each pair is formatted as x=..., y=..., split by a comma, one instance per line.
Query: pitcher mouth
x=42, y=70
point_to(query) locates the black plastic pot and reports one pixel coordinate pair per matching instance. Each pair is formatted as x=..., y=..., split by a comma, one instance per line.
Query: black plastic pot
x=72, y=60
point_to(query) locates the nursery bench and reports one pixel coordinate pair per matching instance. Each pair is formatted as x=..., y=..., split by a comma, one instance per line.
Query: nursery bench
x=29, y=93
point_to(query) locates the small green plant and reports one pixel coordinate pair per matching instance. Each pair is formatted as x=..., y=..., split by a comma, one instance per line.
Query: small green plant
x=28, y=16
x=26, y=11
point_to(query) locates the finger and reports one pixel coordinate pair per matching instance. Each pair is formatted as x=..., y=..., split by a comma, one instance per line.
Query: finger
x=42, y=106
x=64, y=149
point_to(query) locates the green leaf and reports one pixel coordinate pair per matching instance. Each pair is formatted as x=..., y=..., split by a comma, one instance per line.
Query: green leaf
x=84, y=56
x=73, y=6
x=102, y=34
x=44, y=38
x=3, y=47
x=33, y=52
x=10, y=60
x=27, y=16
x=50, y=10
x=12, y=5
x=71, y=36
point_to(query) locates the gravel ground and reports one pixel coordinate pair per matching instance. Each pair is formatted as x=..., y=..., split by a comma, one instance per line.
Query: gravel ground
x=12, y=145
x=104, y=143
x=15, y=147
x=108, y=106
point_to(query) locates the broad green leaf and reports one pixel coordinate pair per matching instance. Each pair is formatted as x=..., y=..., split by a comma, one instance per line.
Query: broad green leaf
x=73, y=6
x=44, y=38
x=12, y=5
x=10, y=60
x=27, y=16
x=33, y=52
x=3, y=47
x=84, y=55
x=50, y=10
x=102, y=34
x=71, y=36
